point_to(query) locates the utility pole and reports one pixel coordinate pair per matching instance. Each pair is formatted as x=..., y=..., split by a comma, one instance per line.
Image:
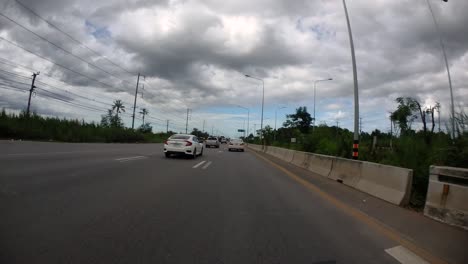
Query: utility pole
x=203, y=130
x=31, y=91
x=212, y=130
x=186, y=122
x=167, y=126
x=134, y=102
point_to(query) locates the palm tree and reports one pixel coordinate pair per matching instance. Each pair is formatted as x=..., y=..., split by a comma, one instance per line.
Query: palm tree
x=144, y=112
x=118, y=107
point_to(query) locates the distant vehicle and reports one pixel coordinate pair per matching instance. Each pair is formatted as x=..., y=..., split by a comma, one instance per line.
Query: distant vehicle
x=212, y=142
x=236, y=144
x=183, y=144
x=223, y=140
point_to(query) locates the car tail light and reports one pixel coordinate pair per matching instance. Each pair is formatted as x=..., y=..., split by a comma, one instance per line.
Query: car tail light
x=165, y=142
x=188, y=143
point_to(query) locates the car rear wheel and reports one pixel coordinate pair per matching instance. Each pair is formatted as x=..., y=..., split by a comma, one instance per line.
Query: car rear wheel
x=168, y=155
x=201, y=153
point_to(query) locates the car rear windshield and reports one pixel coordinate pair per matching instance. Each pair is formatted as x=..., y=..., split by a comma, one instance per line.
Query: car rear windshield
x=236, y=140
x=180, y=137
x=212, y=138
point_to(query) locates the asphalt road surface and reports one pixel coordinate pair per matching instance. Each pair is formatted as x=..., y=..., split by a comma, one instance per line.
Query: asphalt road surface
x=127, y=203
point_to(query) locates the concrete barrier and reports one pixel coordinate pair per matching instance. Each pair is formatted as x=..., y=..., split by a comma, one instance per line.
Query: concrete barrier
x=287, y=155
x=255, y=147
x=389, y=183
x=447, y=196
x=319, y=164
x=346, y=171
x=299, y=158
x=278, y=153
x=392, y=184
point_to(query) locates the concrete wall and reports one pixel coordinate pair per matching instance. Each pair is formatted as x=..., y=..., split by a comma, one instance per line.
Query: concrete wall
x=319, y=164
x=389, y=183
x=299, y=158
x=346, y=171
x=447, y=195
x=392, y=184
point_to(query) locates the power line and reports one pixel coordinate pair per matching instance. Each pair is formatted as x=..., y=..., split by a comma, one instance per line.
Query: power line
x=72, y=38
x=59, y=47
x=18, y=75
x=12, y=88
x=22, y=66
x=55, y=63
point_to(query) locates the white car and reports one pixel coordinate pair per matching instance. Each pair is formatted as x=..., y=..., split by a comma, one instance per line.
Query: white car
x=236, y=144
x=212, y=142
x=183, y=144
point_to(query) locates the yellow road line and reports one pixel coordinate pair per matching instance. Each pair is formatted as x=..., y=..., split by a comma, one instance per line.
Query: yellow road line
x=368, y=220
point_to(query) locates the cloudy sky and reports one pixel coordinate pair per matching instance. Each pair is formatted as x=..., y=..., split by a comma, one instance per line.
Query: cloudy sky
x=194, y=54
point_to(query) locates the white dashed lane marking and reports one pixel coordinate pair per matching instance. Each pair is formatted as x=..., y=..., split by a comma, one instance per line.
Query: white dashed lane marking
x=130, y=158
x=206, y=165
x=199, y=164
x=405, y=256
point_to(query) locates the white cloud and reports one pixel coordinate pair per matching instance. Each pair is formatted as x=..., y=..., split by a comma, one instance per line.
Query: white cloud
x=194, y=54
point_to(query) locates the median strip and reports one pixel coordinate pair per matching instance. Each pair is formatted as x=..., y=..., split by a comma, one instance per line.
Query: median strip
x=361, y=216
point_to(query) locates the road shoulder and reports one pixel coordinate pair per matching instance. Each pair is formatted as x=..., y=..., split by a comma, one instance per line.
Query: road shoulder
x=447, y=242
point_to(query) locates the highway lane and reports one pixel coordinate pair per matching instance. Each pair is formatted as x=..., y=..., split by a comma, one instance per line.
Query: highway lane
x=85, y=204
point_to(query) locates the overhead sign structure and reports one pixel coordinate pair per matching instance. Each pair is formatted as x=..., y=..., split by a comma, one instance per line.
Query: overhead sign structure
x=240, y=130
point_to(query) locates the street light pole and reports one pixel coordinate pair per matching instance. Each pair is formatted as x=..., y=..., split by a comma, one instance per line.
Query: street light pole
x=276, y=111
x=356, y=95
x=442, y=45
x=315, y=84
x=263, y=102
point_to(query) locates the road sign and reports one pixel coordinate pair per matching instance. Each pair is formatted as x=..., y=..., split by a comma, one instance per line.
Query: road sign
x=240, y=130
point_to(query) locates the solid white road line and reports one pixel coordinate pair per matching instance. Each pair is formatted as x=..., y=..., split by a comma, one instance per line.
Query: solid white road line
x=206, y=165
x=405, y=256
x=130, y=158
x=198, y=165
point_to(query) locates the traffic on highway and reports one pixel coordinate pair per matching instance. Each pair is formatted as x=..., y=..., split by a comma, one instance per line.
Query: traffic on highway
x=121, y=203
x=234, y=132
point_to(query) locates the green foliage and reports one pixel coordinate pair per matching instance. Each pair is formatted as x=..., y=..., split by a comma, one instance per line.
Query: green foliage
x=118, y=107
x=145, y=128
x=36, y=127
x=403, y=115
x=199, y=133
x=301, y=120
x=111, y=121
